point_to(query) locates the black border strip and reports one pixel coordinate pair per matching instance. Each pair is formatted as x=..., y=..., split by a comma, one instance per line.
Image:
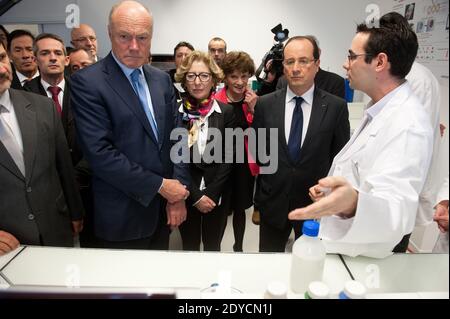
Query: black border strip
x=346, y=267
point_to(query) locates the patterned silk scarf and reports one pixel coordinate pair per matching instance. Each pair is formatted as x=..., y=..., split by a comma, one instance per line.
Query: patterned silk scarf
x=193, y=112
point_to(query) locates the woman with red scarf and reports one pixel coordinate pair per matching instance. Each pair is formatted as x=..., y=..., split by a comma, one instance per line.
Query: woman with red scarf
x=238, y=67
x=203, y=117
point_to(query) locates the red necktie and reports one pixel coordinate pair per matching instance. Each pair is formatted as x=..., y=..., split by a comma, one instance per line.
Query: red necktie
x=54, y=90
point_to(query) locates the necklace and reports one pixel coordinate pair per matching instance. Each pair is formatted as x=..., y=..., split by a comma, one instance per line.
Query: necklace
x=232, y=100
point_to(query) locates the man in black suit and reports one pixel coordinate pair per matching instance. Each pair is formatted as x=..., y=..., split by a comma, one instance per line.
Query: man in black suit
x=20, y=51
x=38, y=198
x=52, y=60
x=328, y=81
x=312, y=127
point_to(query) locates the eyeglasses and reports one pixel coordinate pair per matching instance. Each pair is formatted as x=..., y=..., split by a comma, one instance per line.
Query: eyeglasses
x=85, y=39
x=303, y=62
x=352, y=57
x=204, y=77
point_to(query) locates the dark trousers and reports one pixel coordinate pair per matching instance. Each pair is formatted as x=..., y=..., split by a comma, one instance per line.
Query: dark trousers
x=87, y=236
x=158, y=241
x=238, y=229
x=273, y=239
x=207, y=228
x=402, y=246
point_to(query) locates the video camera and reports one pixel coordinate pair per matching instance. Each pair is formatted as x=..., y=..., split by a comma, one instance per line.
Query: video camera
x=272, y=61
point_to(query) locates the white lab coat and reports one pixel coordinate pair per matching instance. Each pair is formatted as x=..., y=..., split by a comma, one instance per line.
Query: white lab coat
x=426, y=87
x=388, y=165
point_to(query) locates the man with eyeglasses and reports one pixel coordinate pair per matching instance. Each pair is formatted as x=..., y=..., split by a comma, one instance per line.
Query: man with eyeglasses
x=125, y=114
x=84, y=37
x=368, y=204
x=312, y=126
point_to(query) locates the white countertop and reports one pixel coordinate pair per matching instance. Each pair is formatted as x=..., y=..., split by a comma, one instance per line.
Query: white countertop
x=191, y=273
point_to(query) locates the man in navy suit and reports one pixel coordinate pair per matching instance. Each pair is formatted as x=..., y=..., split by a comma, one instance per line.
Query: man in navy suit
x=312, y=126
x=124, y=110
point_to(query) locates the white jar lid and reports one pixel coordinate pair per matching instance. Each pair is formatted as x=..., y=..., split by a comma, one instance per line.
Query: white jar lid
x=318, y=290
x=355, y=290
x=276, y=290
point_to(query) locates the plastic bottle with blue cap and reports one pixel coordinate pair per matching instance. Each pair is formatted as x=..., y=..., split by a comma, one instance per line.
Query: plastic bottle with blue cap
x=308, y=258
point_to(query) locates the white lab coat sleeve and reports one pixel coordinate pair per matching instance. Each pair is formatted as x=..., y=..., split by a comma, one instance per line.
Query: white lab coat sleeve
x=392, y=174
x=427, y=89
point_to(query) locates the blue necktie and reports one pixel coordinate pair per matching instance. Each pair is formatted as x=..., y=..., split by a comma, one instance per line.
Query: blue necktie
x=140, y=91
x=295, y=135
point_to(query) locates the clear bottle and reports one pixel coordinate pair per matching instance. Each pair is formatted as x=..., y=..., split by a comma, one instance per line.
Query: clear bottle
x=353, y=290
x=308, y=258
x=317, y=290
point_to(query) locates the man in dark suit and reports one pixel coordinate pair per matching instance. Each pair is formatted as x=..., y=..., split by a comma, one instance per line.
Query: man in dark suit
x=124, y=110
x=52, y=60
x=312, y=127
x=20, y=51
x=328, y=81
x=38, y=197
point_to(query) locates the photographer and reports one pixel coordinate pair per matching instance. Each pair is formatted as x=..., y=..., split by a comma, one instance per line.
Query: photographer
x=271, y=68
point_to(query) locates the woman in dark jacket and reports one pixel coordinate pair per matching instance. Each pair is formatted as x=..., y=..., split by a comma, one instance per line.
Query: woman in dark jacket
x=238, y=67
x=206, y=120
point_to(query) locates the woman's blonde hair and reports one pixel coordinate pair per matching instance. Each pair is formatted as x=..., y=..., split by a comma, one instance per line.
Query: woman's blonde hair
x=216, y=72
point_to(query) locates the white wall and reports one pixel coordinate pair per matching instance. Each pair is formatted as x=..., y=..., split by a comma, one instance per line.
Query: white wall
x=244, y=24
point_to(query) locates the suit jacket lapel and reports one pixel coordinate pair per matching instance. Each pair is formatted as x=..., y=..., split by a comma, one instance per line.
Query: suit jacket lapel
x=66, y=116
x=318, y=111
x=26, y=118
x=279, y=117
x=7, y=162
x=122, y=86
x=157, y=96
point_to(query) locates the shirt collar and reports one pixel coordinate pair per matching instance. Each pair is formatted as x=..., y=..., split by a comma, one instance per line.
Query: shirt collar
x=373, y=110
x=22, y=77
x=46, y=85
x=5, y=100
x=126, y=70
x=308, y=96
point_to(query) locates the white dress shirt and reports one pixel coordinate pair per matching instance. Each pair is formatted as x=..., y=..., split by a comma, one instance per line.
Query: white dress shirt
x=61, y=93
x=202, y=139
x=387, y=163
x=23, y=79
x=9, y=117
x=308, y=98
